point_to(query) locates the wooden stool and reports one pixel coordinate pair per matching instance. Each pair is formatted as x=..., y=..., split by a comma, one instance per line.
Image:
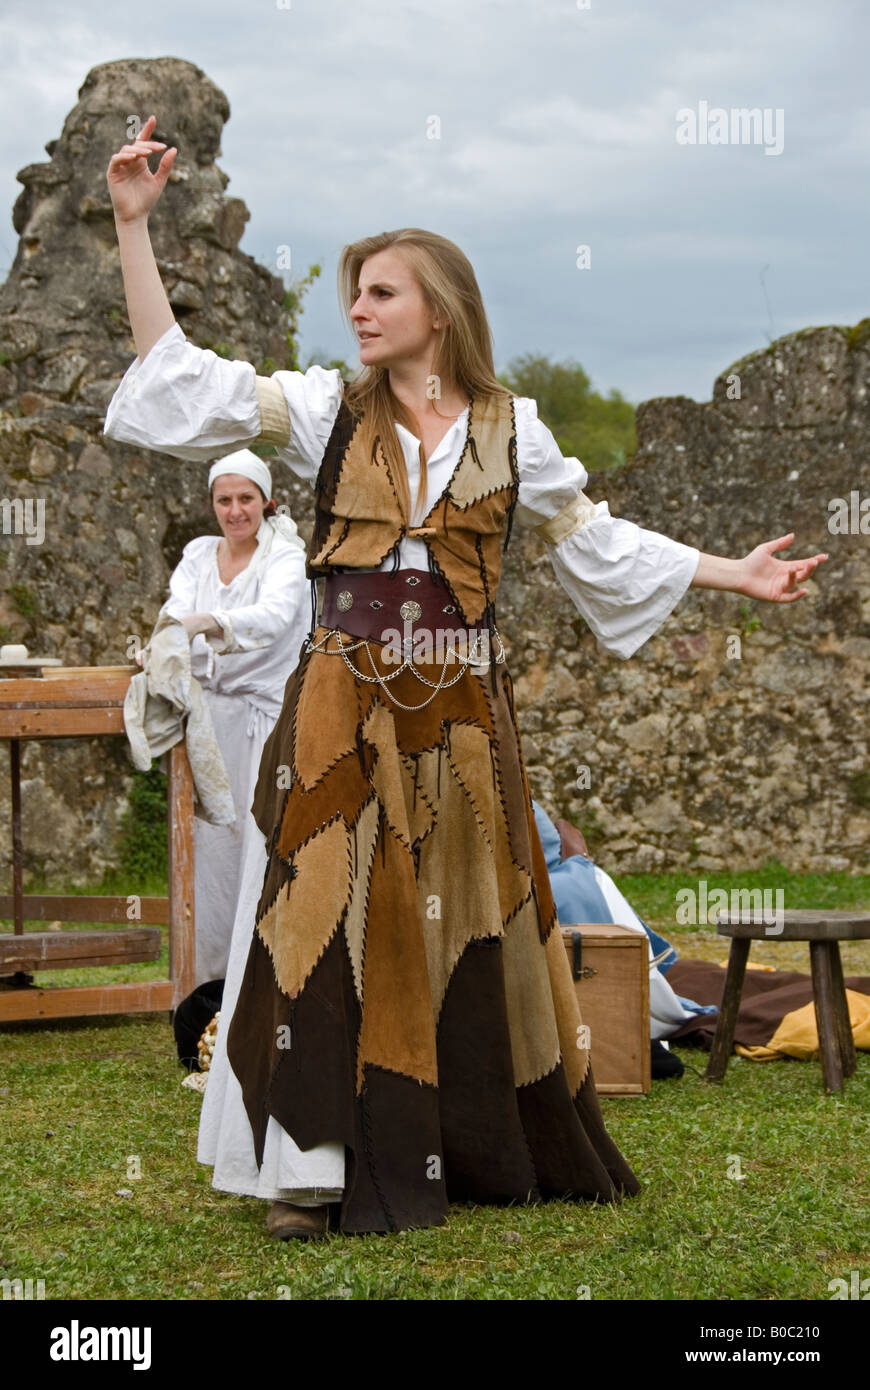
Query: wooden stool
x=824, y=931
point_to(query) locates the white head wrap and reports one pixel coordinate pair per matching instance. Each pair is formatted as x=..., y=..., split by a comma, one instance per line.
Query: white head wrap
x=282, y=525
x=247, y=465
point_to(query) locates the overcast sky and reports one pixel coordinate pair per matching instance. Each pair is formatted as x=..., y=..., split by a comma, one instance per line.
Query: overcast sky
x=558, y=129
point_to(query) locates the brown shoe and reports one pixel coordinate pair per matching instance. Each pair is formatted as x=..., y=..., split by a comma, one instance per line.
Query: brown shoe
x=286, y=1222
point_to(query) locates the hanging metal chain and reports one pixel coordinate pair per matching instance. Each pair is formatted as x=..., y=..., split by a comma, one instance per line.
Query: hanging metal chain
x=407, y=665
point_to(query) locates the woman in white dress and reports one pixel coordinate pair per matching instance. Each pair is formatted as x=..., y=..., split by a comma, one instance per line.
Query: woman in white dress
x=243, y=599
x=405, y=953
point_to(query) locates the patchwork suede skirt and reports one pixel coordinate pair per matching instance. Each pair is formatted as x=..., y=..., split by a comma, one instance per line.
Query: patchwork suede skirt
x=407, y=992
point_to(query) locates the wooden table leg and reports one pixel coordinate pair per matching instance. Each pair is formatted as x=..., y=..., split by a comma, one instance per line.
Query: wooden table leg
x=826, y=1021
x=182, y=933
x=723, y=1040
x=17, y=851
x=848, y=1059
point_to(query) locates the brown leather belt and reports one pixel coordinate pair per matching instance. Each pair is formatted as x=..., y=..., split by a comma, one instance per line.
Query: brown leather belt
x=377, y=605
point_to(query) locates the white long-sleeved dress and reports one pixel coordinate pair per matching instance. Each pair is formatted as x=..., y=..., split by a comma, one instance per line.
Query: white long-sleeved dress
x=263, y=613
x=622, y=578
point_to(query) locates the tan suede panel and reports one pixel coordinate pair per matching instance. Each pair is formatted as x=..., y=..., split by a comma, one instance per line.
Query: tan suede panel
x=454, y=548
x=471, y=763
x=365, y=497
x=355, y=921
x=507, y=754
x=387, y=773
x=455, y=905
x=398, y=1031
x=546, y=904
x=529, y=999
x=421, y=804
x=326, y=716
x=574, y=1059
x=293, y=934
x=492, y=427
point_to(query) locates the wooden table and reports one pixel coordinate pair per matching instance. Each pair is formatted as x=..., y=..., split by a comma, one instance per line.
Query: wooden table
x=823, y=931
x=88, y=702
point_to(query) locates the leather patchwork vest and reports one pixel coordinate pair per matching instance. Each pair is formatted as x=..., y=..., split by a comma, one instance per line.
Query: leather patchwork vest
x=359, y=522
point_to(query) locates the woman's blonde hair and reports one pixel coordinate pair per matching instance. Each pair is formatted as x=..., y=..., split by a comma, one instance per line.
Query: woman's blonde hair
x=463, y=359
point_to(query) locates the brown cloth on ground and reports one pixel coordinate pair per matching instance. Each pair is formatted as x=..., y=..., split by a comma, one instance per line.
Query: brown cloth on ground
x=766, y=999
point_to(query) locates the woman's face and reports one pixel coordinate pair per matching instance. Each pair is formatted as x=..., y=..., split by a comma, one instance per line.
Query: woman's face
x=238, y=505
x=391, y=317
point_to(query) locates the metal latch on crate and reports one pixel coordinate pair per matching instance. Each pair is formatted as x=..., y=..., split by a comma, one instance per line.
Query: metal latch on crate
x=579, y=971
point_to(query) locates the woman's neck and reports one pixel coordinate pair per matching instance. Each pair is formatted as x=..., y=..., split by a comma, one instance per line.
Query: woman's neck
x=235, y=550
x=425, y=395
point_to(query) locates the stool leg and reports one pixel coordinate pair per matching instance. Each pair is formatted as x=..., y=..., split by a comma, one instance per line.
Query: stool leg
x=723, y=1040
x=841, y=1009
x=826, y=1020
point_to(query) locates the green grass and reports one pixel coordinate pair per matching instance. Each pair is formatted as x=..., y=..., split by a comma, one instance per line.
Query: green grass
x=78, y=1099
x=653, y=896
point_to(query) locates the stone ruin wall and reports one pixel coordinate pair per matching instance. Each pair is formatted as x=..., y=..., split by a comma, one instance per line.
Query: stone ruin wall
x=695, y=757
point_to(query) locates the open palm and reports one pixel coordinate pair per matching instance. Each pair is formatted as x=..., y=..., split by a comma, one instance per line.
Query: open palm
x=776, y=580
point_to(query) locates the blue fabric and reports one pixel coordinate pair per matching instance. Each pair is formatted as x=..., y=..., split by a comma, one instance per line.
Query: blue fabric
x=575, y=890
x=575, y=887
x=578, y=897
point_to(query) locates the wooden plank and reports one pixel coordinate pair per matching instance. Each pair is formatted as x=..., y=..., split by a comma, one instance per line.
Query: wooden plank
x=61, y=723
x=45, y=907
x=182, y=940
x=17, y=1005
x=78, y=685
x=92, y=671
x=65, y=950
x=798, y=924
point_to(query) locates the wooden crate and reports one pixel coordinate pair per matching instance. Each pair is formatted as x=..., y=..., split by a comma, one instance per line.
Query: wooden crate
x=610, y=965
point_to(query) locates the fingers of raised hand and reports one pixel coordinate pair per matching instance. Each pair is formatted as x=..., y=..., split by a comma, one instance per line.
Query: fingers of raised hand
x=141, y=147
x=780, y=543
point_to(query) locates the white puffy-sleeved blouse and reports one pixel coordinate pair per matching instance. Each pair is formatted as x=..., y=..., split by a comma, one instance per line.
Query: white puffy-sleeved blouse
x=263, y=623
x=624, y=580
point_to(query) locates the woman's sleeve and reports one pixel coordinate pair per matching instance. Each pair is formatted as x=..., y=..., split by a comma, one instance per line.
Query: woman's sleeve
x=184, y=581
x=283, y=590
x=188, y=402
x=622, y=579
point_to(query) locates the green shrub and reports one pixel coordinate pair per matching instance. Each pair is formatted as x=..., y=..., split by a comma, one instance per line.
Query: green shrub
x=143, y=840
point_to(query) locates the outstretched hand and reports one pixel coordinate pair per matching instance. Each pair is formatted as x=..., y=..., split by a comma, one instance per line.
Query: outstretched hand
x=763, y=576
x=133, y=188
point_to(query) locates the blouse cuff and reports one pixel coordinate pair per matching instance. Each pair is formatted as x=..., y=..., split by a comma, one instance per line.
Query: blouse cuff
x=227, y=642
x=571, y=517
x=274, y=415
x=239, y=630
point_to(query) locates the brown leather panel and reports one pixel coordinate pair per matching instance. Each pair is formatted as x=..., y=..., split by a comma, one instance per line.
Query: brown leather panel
x=529, y=999
x=398, y=1030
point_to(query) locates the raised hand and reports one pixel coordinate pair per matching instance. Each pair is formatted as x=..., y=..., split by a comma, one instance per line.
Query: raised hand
x=133, y=188
x=776, y=580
